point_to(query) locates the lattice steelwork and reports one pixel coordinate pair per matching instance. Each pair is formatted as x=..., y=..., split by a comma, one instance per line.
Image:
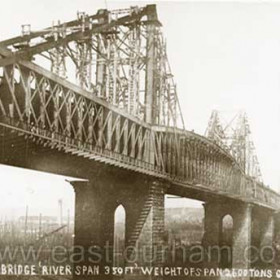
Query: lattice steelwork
x=235, y=137
x=123, y=109
x=119, y=56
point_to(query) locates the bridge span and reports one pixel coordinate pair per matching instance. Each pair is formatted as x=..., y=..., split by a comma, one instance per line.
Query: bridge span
x=120, y=127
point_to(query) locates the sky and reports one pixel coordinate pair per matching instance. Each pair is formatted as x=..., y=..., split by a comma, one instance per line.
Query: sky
x=224, y=55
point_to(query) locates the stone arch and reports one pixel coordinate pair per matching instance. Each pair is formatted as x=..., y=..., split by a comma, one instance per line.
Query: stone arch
x=227, y=228
x=226, y=240
x=119, y=234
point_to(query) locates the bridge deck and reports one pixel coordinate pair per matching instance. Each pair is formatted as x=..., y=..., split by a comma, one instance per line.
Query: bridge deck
x=58, y=115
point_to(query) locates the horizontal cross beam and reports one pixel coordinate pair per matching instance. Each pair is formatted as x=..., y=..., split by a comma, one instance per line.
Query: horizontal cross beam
x=75, y=36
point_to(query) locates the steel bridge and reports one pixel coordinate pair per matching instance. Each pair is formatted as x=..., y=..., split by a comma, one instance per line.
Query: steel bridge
x=99, y=90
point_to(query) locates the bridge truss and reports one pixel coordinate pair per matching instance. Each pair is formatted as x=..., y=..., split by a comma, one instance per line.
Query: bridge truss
x=118, y=56
x=100, y=87
x=235, y=136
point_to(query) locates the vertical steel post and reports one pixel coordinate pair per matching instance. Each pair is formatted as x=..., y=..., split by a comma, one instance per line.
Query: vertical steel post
x=150, y=93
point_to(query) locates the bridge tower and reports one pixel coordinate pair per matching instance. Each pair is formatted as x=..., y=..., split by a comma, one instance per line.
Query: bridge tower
x=235, y=136
x=141, y=196
x=96, y=202
x=252, y=235
x=253, y=227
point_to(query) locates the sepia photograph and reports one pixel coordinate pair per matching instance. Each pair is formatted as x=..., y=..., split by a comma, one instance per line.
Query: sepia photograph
x=139, y=140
